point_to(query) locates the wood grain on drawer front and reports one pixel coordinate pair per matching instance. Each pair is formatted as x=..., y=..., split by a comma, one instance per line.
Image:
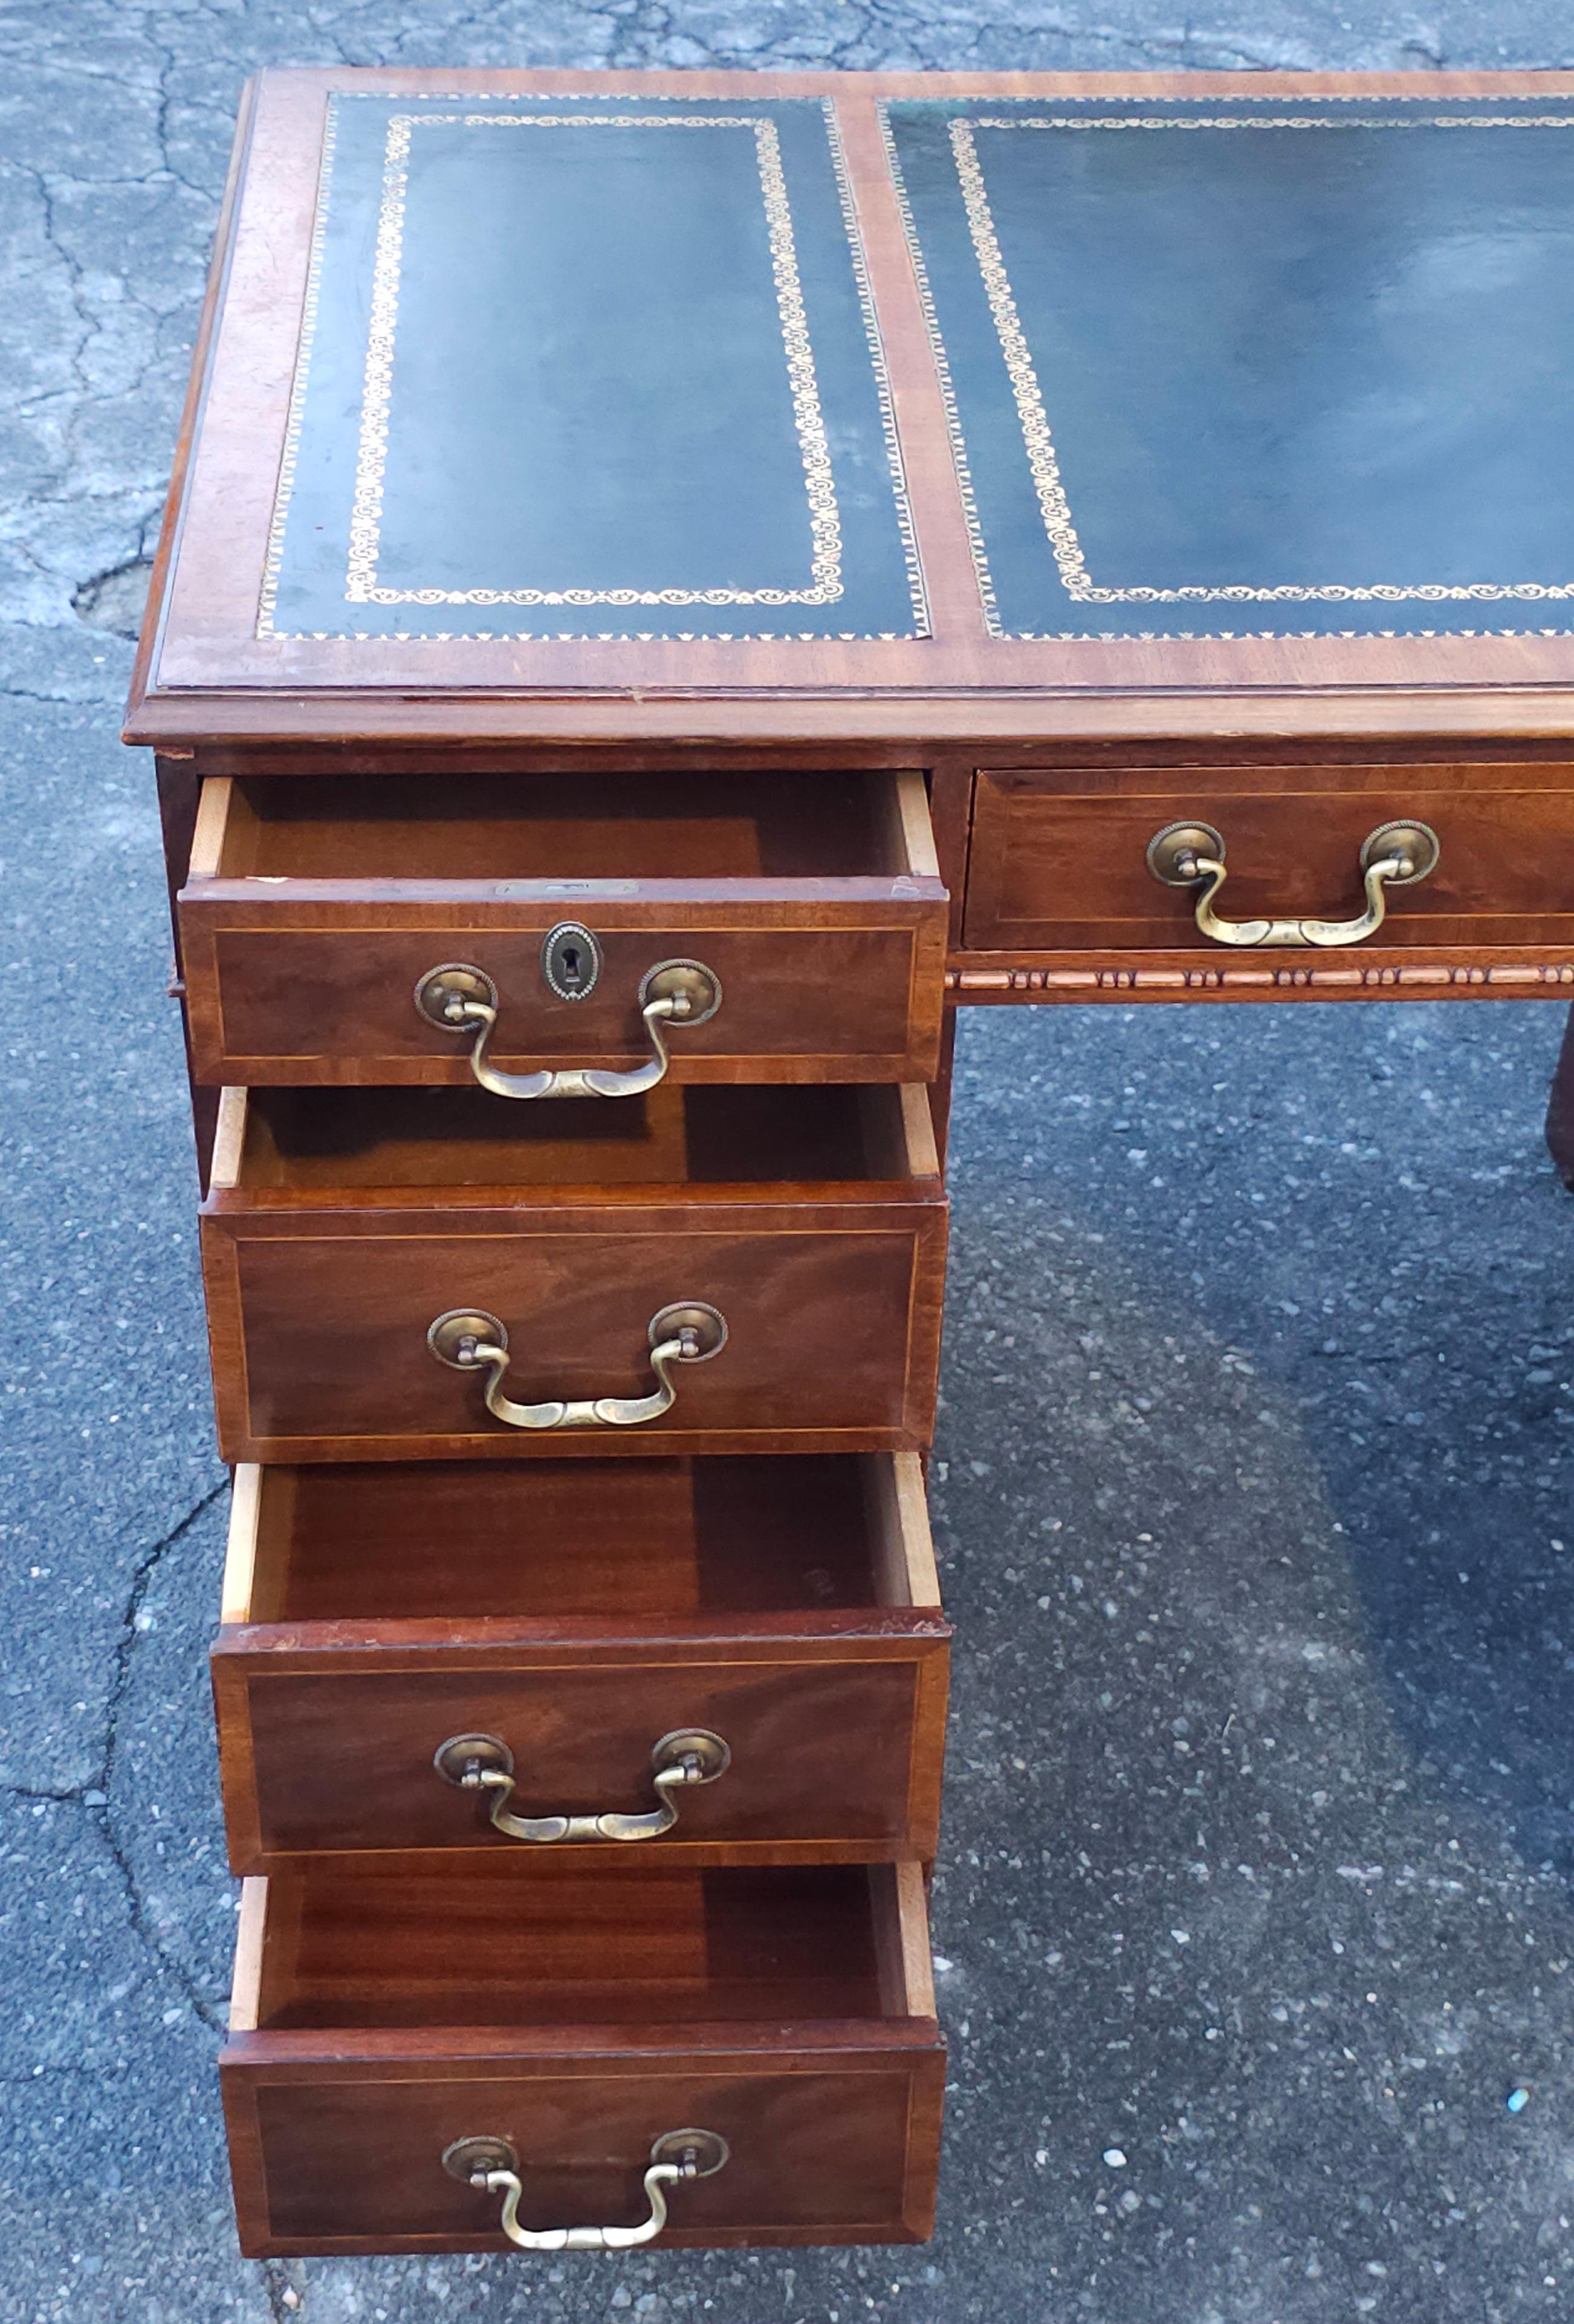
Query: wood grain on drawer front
x=1058, y=861
x=299, y=977
x=833, y=1712
x=337, y=2145
x=319, y=1302
x=835, y=1727
x=339, y=2104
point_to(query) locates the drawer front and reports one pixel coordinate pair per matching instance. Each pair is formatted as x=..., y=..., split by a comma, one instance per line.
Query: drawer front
x=835, y=1739
x=846, y=989
x=318, y=1327
x=837, y=2142
x=1058, y=863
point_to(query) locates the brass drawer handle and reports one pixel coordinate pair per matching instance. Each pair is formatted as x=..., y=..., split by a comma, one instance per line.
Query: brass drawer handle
x=471, y=1340
x=484, y=1762
x=459, y=999
x=491, y=2165
x=1191, y=855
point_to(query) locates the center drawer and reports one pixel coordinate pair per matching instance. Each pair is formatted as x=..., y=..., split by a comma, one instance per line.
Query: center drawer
x=566, y=1619
x=1072, y=861
x=789, y=1244
x=316, y=907
x=575, y=2019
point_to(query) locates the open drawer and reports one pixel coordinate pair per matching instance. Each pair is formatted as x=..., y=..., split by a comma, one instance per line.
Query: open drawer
x=575, y=2018
x=400, y=1274
x=711, y=1661
x=317, y=908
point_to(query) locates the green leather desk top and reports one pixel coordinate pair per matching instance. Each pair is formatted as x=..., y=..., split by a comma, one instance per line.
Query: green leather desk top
x=570, y=388
x=1247, y=365
x=595, y=367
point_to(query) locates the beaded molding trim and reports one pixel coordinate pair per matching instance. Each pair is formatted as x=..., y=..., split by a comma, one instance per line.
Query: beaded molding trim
x=1427, y=980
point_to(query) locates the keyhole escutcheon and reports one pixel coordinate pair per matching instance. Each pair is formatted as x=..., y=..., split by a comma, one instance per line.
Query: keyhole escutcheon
x=570, y=960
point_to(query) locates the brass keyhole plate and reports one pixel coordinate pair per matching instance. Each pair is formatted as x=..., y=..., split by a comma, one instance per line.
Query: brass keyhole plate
x=571, y=959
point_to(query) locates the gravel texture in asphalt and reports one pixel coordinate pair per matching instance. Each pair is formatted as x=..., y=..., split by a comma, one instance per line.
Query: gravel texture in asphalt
x=1252, y=1486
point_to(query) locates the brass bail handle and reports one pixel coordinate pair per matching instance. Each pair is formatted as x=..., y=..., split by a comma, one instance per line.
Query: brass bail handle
x=491, y=2165
x=484, y=1763
x=1191, y=855
x=458, y=998
x=689, y=1332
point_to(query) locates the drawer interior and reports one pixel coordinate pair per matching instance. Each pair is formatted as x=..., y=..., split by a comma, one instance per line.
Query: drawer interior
x=426, y=1541
x=675, y=825
x=497, y=1942
x=690, y=1135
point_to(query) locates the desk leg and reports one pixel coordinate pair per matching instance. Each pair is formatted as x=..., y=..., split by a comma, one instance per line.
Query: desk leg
x=1560, y=1109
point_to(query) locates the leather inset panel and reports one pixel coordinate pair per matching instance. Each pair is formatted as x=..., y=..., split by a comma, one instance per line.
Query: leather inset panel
x=600, y=366
x=1225, y=367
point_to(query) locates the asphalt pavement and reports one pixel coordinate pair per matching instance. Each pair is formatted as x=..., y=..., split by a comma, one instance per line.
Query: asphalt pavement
x=1251, y=1488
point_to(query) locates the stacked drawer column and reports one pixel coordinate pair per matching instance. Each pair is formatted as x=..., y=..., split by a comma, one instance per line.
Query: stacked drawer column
x=581, y=1671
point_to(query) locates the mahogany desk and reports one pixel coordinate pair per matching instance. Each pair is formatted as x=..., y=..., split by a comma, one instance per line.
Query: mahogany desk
x=673, y=581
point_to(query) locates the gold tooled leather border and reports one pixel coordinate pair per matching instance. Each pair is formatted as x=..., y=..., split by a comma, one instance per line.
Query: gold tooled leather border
x=362, y=585
x=825, y=586
x=1038, y=440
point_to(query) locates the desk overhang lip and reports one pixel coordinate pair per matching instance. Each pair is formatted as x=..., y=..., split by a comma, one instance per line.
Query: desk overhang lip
x=178, y=724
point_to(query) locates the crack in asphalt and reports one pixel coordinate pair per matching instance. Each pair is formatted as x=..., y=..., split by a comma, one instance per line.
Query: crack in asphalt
x=286, y=2300
x=95, y=1798
x=121, y=1662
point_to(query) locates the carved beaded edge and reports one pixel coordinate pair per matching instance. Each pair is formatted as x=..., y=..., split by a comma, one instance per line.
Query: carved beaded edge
x=1434, y=979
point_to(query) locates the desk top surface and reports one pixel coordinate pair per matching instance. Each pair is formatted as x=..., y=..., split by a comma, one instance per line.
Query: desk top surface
x=769, y=406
